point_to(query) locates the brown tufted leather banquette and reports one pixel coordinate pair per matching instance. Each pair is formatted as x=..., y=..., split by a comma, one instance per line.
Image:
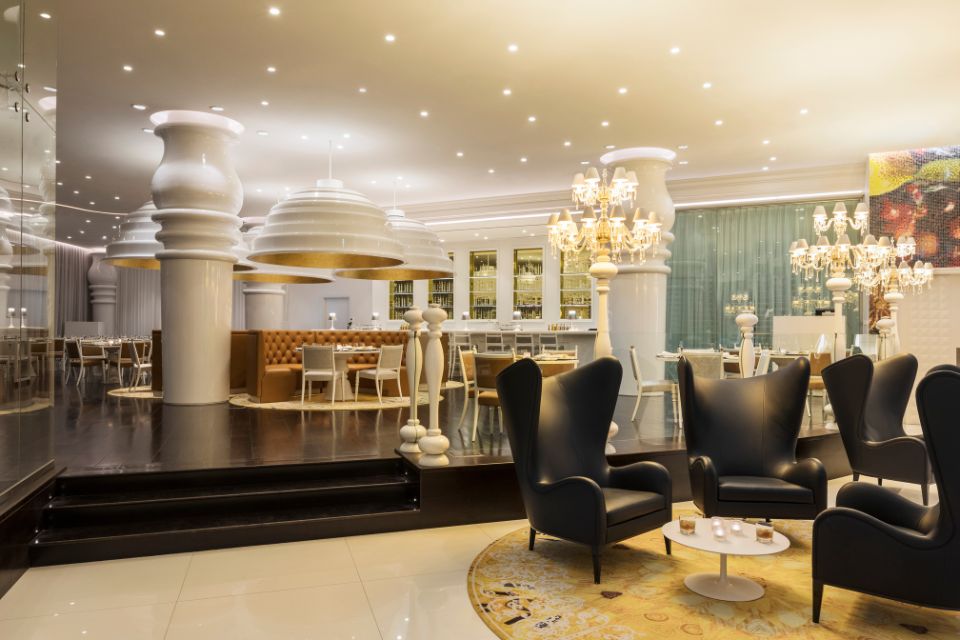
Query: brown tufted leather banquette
x=274, y=366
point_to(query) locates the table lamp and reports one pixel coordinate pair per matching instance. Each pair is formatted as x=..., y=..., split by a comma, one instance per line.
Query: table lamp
x=332, y=316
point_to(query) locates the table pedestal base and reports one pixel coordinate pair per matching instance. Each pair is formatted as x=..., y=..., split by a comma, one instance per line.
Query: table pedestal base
x=721, y=586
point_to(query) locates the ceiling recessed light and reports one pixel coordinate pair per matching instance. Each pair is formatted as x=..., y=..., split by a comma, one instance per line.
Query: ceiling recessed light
x=766, y=142
x=261, y=132
x=139, y=107
x=264, y=103
x=605, y=124
x=804, y=111
x=507, y=92
x=390, y=37
x=49, y=89
x=622, y=91
x=567, y=143
x=719, y=123
x=59, y=184
x=274, y=11
x=362, y=90
x=523, y=159
x=147, y=130
x=674, y=50
x=476, y=235
x=159, y=33
x=103, y=237
x=610, y=146
x=773, y=158
x=87, y=221
x=765, y=169
x=707, y=85
x=346, y=136
x=116, y=197
x=116, y=217
x=259, y=190
x=684, y=162
x=76, y=192
x=491, y=170
x=424, y=114
x=486, y=237
x=128, y=68
x=340, y=147
x=373, y=182
x=69, y=237
x=584, y=162
x=407, y=186
x=45, y=15
x=92, y=203
x=88, y=177
x=459, y=154
x=82, y=231
x=683, y=147
x=304, y=136
x=512, y=48
x=271, y=69
x=216, y=108
x=531, y=118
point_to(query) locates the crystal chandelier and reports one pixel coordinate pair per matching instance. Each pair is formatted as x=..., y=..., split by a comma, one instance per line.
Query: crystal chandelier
x=877, y=265
x=608, y=235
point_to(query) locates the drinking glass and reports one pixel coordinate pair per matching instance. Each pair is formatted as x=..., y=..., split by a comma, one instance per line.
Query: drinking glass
x=688, y=525
x=764, y=532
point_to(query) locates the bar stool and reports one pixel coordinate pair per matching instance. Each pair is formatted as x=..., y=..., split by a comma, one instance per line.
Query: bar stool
x=524, y=343
x=548, y=342
x=493, y=342
x=458, y=341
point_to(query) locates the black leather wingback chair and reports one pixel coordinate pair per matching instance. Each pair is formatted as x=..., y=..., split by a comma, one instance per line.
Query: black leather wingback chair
x=742, y=442
x=558, y=430
x=869, y=401
x=878, y=542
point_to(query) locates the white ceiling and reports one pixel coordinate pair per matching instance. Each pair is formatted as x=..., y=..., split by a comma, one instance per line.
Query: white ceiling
x=874, y=74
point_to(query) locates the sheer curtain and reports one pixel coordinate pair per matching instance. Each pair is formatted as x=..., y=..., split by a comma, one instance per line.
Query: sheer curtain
x=71, y=302
x=138, y=301
x=727, y=258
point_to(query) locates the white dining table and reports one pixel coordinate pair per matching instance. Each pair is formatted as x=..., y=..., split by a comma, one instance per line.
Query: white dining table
x=340, y=359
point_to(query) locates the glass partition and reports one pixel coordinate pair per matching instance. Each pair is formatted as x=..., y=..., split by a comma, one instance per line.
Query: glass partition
x=483, y=285
x=528, y=283
x=731, y=260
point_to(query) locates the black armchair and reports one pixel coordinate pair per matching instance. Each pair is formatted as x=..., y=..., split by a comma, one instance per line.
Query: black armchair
x=878, y=542
x=558, y=429
x=742, y=442
x=869, y=401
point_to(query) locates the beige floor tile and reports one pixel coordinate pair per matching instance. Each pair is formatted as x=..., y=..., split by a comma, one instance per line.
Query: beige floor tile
x=408, y=553
x=129, y=623
x=333, y=612
x=268, y=568
x=497, y=530
x=95, y=585
x=427, y=607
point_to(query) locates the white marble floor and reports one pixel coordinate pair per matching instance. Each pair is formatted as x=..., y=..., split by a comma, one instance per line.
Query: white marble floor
x=394, y=586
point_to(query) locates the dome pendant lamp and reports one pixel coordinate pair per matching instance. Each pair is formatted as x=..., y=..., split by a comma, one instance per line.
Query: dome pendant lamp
x=246, y=271
x=327, y=227
x=137, y=245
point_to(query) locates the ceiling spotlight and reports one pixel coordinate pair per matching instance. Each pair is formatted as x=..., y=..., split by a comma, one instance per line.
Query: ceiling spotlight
x=773, y=158
x=390, y=37
x=674, y=50
x=128, y=68
x=765, y=169
x=373, y=182
x=567, y=143
x=512, y=48
x=216, y=108
x=362, y=90
x=87, y=221
x=159, y=33
x=459, y=154
x=304, y=136
x=523, y=159
x=103, y=237
x=259, y=190
x=766, y=142
x=584, y=162
x=424, y=114
x=491, y=170
x=804, y=111
x=274, y=11
x=69, y=237
x=76, y=192
x=531, y=118
x=88, y=177
x=340, y=147
x=622, y=91
x=707, y=85
x=92, y=203
x=683, y=147
x=719, y=123
x=116, y=197
x=82, y=231
x=147, y=130
x=262, y=133
x=271, y=69
x=507, y=92
x=684, y=162
x=139, y=107
x=610, y=146
x=264, y=103
x=45, y=15
x=605, y=124
x=49, y=89
x=116, y=217
x=59, y=184
x=346, y=136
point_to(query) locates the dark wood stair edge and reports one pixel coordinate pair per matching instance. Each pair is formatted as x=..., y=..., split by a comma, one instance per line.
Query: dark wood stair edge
x=191, y=540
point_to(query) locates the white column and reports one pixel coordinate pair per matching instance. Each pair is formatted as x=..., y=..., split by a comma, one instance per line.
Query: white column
x=411, y=432
x=746, y=322
x=102, y=280
x=638, y=296
x=839, y=287
x=197, y=194
x=434, y=444
x=893, y=299
x=604, y=271
x=263, y=305
x=885, y=341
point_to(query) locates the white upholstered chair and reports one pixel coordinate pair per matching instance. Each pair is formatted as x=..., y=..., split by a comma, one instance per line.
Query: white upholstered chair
x=388, y=368
x=319, y=365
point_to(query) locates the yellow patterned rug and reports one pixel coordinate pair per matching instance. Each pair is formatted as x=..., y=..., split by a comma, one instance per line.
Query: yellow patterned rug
x=548, y=594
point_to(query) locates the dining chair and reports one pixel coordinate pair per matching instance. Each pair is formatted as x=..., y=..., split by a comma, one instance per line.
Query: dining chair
x=818, y=362
x=388, y=368
x=489, y=366
x=468, y=368
x=705, y=364
x=763, y=363
x=122, y=359
x=84, y=355
x=319, y=365
x=457, y=340
x=141, y=361
x=651, y=386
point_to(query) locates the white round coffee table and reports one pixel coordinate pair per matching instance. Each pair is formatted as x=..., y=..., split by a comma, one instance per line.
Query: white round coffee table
x=721, y=586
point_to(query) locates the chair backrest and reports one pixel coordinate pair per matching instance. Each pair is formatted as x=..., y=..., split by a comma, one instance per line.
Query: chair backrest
x=889, y=396
x=489, y=367
x=90, y=350
x=548, y=340
x=781, y=360
x=140, y=352
x=524, y=341
x=492, y=339
x=127, y=349
x=317, y=357
x=819, y=361
x=391, y=356
x=937, y=396
x=635, y=364
x=747, y=426
x=58, y=345
x=763, y=363
x=468, y=365
x=460, y=339
x=72, y=348
x=549, y=368
x=558, y=426
x=705, y=365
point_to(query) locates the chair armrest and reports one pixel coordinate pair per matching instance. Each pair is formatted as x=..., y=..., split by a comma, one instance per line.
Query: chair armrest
x=643, y=476
x=572, y=508
x=899, y=447
x=809, y=473
x=880, y=503
x=848, y=527
x=703, y=484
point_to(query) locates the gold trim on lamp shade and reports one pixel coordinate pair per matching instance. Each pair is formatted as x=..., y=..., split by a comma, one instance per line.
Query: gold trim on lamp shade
x=239, y=267
x=134, y=263
x=279, y=278
x=393, y=273
x=325, y=260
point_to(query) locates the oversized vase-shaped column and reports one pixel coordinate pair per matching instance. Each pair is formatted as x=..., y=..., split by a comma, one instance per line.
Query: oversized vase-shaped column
x=411, y=432
x=263, y=305
x=746, y=322
x=197, y=194
x=638, y=296
x=102, y=280
x=434, y=444
x=603, y=271
x=885, y=340
x=839, y=286
x=893, y=299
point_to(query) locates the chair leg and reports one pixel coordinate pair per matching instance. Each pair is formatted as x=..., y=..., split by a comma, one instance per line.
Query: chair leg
x=925, y=492
x=595, y=551
x=533, y=538
x=666, y=543
x=636, y=405
x=303, y=390
x=500, y=418
x=879, y=482
x=476, y=418
x=356, y=386
x=378, y=383
x=856, y=476
x=817, y=599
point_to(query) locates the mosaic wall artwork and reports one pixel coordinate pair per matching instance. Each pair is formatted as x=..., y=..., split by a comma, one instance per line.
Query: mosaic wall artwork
x=915, y=193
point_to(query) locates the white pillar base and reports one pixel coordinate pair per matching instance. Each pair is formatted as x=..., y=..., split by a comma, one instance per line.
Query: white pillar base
x=196, y=315
x=638, y=317
x=263, y=305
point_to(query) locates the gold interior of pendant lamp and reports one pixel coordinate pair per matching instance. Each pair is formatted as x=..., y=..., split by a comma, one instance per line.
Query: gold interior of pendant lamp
x=134, y=263
x=279, y=278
